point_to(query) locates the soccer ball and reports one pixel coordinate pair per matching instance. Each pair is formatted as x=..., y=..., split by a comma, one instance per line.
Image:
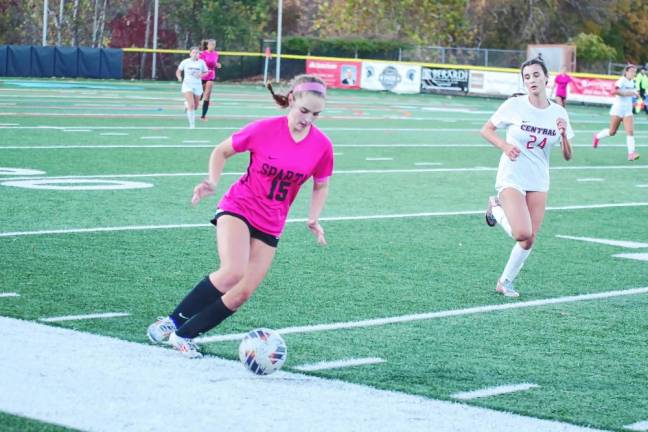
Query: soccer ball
x=263, y=351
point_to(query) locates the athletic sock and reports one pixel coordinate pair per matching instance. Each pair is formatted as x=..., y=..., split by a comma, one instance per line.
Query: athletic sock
x=603, y=134
x=502, y=221
x=189, y=115
x=515, y=262
x=201, y=296
x=205, y=108
x=206, y=320
x=630, y=142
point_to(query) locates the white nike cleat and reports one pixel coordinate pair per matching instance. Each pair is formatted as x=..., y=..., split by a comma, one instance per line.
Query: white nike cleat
x=187, y=347
x=160, y=330
x=505, y=287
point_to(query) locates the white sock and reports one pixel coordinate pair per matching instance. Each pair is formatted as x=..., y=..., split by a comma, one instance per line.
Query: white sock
x=630, y=143
x=604, y=133
x=191, y=115
x=515, y=262
x=502, y=221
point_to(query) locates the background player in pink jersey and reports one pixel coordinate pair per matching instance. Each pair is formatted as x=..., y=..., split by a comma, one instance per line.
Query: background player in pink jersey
x=561, y=82
x=284, y=152
x=533, y=126
x=210, y=56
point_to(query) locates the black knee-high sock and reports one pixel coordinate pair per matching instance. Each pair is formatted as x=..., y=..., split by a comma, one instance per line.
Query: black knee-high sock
x=205, y=108
x=206, y=320
x=201, y=296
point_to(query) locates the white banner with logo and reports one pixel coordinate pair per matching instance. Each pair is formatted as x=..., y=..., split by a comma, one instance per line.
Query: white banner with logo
x=394, y=77
x=496, y=83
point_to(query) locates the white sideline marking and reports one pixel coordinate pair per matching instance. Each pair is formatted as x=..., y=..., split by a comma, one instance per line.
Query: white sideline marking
x=634, y=256
x=326, y=218
x=493, y=391
x=427, y=163
x=379, y=159
x=642, y=186
x=641, y=426
x=76, y=130
x=152, y=137
x=77, y=184
x=113, y=134
x=621, y=243
x=207, y=141
x=590, y=180
x=20, y=171
x=339, y=364
x=98, y=383
x=336, y=172
x=9, y=294
x=85, y=317
x=433, y=315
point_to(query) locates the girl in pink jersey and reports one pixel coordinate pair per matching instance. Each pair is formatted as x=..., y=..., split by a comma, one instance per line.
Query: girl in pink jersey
x=284, y=152
x=210, y=56
x=561, y=82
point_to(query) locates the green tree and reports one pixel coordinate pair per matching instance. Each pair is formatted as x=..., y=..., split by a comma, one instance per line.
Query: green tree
x=425, y=22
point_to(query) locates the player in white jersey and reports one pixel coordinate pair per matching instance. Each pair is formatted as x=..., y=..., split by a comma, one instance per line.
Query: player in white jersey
x=621, y=111
x=194, y=70
x=533, y=126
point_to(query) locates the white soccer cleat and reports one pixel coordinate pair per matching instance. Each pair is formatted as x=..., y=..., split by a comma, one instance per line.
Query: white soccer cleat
x=187, y=347
x=505, y=287
x=160, y=330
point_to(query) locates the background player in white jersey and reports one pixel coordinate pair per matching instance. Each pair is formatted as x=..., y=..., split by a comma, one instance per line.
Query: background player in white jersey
x=621, y=111
x=533, y=125
x=194, y=70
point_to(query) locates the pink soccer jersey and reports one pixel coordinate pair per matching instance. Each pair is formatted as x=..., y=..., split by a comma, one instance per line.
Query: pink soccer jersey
x=210, y=58
x=561, y=84
x=278, y=167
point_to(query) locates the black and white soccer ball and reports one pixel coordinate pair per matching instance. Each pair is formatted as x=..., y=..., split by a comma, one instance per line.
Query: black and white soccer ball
x=263, y=351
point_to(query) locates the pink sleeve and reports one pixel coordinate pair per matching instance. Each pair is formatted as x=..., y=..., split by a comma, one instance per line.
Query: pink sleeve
x=324, y=168
x=243, y=140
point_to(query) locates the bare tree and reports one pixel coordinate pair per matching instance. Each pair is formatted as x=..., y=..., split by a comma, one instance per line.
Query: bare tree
x=147, y=33
x=75, y=23
x=102, y=24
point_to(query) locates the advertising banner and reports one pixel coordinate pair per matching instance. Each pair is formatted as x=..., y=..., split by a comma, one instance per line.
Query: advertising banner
x=336, y=74
x=592, y=90
x=394, y=77
x=495, y=83
x=444, y=79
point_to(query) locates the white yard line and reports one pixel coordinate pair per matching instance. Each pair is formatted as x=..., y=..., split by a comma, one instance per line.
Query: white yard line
x=152, y=137
x=9, y=294
x=300, y=220
x=642, y=185
x=189, y=146
x=633, y=256
x=355, y=171
x=434, y=315
x=379, y=159
x=590, y=180
x=98, y=383
x=493, y=391
x=325, y=128
x=76, y=130
x=113, y=134
x=620, y=243
x=641, y=426
x=85, y=317
x=337, y=364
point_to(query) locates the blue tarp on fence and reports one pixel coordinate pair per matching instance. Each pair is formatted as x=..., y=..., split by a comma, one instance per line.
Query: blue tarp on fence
x=73, y=62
